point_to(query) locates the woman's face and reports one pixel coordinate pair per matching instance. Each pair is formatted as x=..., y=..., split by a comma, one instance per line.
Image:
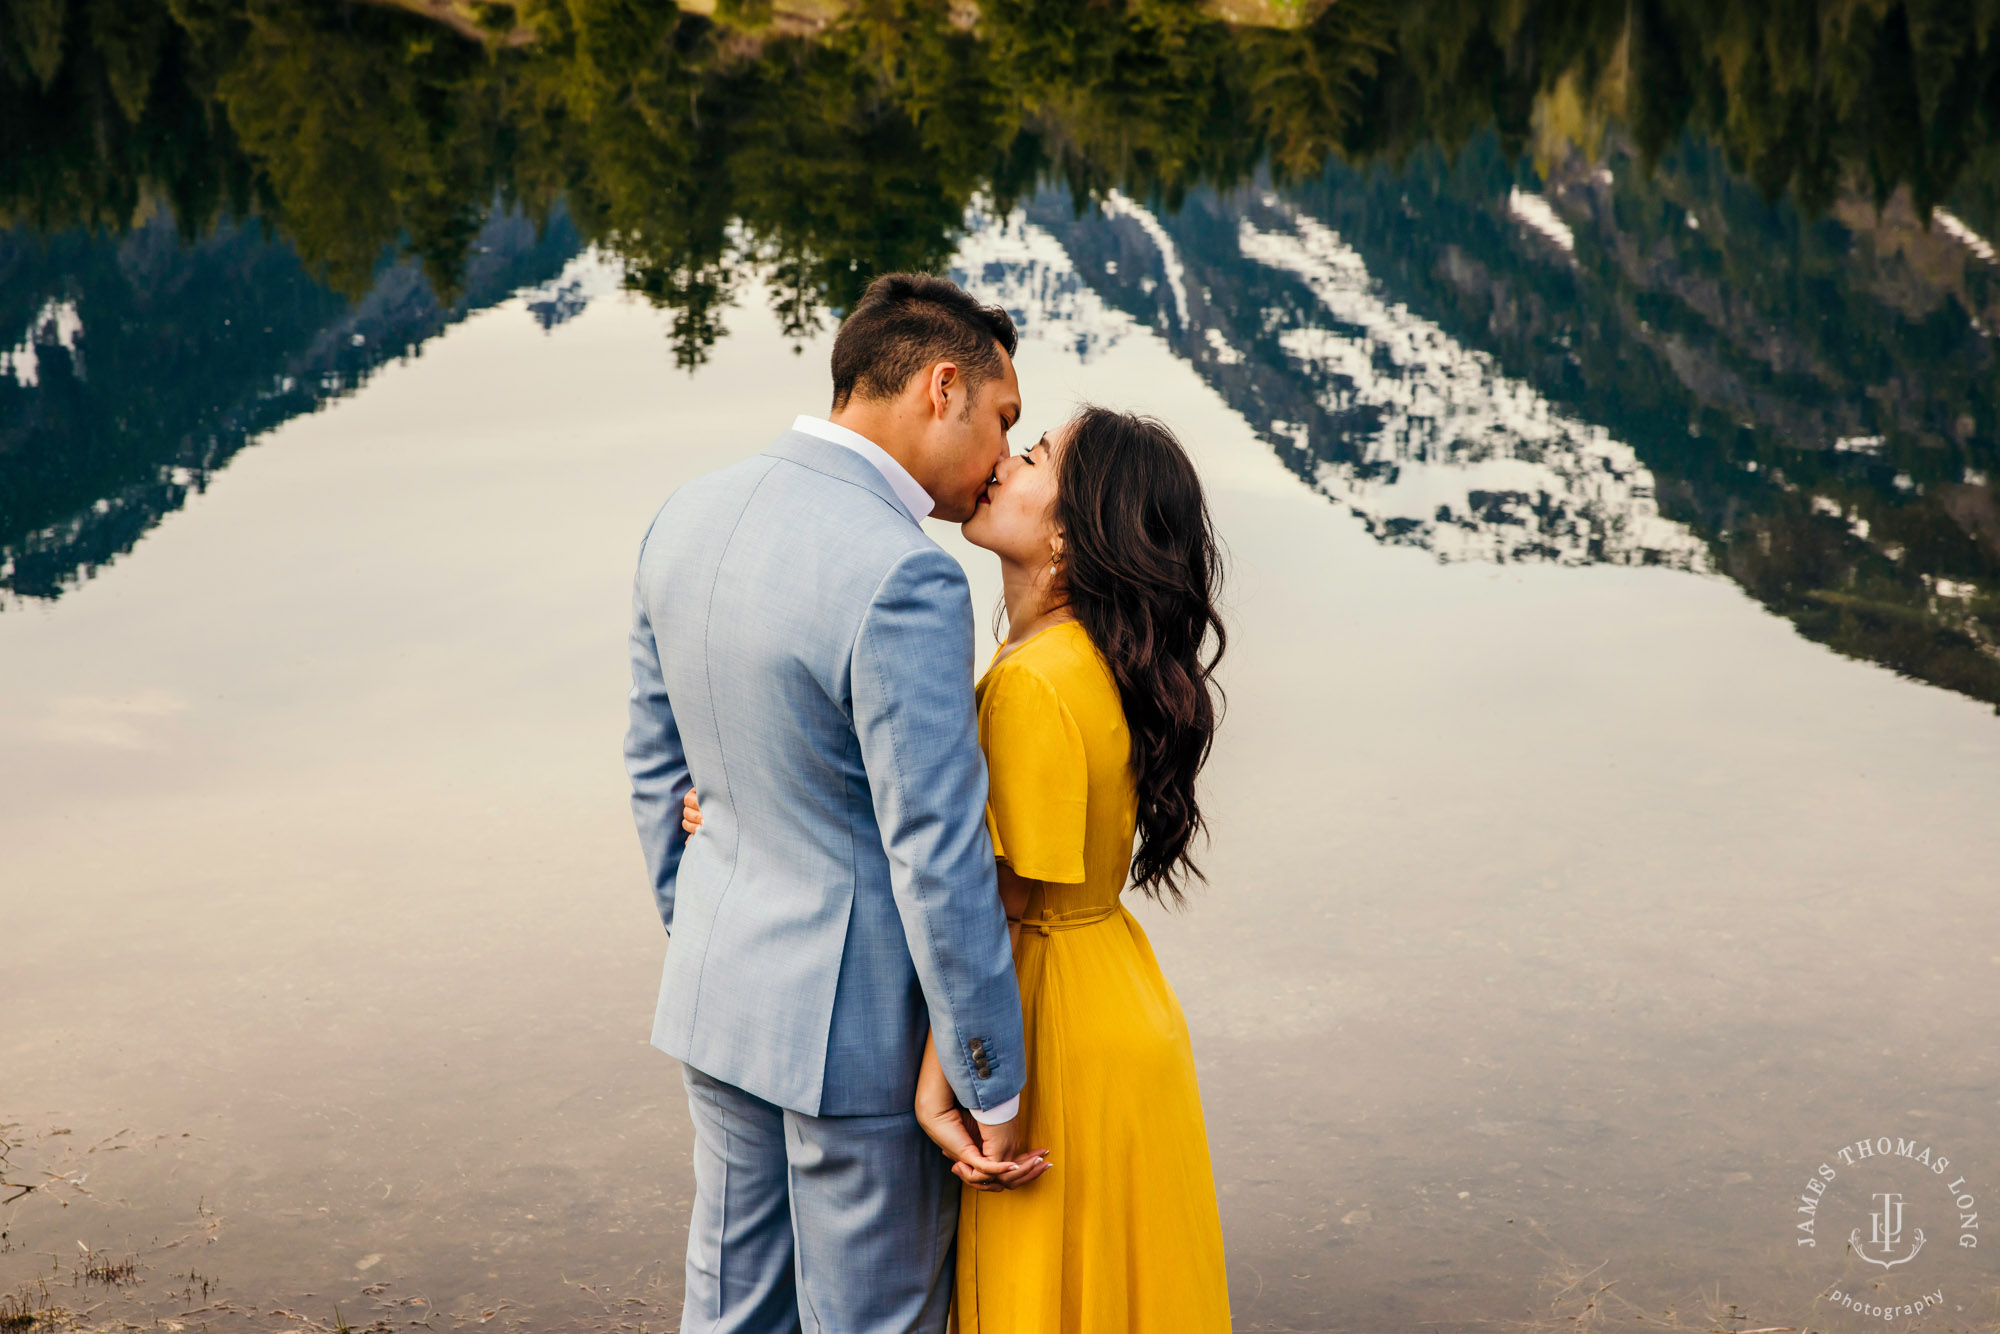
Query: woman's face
x=1015, y=517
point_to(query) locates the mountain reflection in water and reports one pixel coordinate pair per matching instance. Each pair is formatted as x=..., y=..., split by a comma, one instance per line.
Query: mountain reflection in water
x=1673, y=283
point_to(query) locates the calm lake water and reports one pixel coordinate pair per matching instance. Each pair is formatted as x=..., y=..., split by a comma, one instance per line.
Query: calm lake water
x=1601, y=414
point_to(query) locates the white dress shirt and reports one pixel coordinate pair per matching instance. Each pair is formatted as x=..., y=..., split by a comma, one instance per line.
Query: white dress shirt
x=919, y=505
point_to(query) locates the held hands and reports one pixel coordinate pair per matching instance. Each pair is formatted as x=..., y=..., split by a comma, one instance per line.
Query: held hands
x=984, y=1157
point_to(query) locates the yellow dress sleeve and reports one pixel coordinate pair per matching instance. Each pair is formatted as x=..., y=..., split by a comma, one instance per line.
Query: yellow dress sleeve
x=1038, y=780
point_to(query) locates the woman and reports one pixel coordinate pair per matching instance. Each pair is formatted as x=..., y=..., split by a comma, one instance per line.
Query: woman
x=1095, y=715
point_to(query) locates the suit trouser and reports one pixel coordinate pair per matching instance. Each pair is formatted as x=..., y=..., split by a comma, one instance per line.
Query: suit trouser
x=826, y=1224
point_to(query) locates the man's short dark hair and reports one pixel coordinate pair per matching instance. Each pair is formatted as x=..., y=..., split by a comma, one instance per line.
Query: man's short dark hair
x=906, y=322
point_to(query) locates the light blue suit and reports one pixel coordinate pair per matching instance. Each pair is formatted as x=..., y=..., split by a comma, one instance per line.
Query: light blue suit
x=802, y=652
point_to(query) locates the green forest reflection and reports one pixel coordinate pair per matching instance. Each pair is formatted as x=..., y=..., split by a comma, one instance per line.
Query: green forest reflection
x=278, y=160
x=702, y=149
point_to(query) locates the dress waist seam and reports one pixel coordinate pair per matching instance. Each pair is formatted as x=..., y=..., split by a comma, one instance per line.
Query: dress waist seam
x=1064, y=921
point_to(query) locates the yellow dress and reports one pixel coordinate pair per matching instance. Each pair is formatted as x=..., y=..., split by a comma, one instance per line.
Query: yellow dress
x=1122, y=1236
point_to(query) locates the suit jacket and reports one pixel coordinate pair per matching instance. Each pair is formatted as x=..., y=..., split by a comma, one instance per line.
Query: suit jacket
x=802, y=653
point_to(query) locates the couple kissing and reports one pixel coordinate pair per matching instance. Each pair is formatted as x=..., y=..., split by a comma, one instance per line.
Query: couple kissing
x=934, y=1070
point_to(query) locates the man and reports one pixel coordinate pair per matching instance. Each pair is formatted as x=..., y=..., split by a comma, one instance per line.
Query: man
x=804, y=650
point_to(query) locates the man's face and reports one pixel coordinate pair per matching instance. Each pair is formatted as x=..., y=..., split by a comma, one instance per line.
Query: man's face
x=968, y=443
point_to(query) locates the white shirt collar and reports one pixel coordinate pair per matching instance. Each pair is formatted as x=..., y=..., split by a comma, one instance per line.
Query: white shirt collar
x=909, y=494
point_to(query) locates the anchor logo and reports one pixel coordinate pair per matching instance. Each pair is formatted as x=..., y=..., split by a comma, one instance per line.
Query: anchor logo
x=1886, y=1233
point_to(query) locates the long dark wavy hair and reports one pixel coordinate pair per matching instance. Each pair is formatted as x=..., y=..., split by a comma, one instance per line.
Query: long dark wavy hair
x=1141, y=572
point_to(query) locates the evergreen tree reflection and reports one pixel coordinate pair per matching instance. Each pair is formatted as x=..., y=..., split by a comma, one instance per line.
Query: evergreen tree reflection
x=194, y=171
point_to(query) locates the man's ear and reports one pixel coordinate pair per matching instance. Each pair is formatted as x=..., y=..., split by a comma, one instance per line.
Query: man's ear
x=946, y=385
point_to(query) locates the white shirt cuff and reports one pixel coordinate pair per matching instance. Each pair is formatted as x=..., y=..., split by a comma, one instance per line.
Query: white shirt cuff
x=999, y=1114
